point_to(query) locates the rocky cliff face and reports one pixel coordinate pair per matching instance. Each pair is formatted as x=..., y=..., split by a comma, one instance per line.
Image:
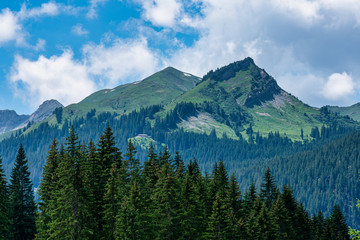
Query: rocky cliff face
x=10, y=120
x=45, y=110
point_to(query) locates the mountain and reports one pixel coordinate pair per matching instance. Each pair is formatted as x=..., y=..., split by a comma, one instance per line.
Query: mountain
x=10, y=120
x=243, y=89
x=352, y=111
x=45, y=110
x=236, y=113
x=158, y=89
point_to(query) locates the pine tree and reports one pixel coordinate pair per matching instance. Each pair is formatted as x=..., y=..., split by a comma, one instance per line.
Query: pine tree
x=283, y=220
x=302, y=224
x=4, y=205
x=130, y=220
x=317, y=225
x=268, y=190
x=70, y=218
x=179, y=166
x=338, y=226
x=220, y=180
x=193, y=210
x=47, y=187
x=112, y=204
x=101, y=164
x=132, y=163
x=261, y=225
x=22, y=205
x=233, y=197
x=166, y=198
x=249, y=200
x=219, y=226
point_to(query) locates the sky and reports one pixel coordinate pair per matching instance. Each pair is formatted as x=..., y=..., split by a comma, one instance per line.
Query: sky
x=66, y=50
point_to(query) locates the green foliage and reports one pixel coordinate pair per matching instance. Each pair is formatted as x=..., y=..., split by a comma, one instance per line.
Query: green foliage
x=21, y=200
x=163, y=200
x=4, y=201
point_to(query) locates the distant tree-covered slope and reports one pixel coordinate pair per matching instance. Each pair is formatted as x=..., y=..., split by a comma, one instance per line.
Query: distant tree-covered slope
x=237, y=114
x=352, y=111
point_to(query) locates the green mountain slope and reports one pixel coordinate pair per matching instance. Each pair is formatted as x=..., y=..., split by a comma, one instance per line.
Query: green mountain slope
x=160, y=88
x=352, y=111
x=242, y=88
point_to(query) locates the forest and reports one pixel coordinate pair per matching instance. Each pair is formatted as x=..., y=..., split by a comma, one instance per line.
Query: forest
x=95, y=191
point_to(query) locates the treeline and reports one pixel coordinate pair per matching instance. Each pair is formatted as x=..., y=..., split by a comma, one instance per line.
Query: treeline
x=96, y=192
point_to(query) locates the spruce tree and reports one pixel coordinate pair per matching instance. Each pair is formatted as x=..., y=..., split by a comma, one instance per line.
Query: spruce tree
x=48, y=186
x=268, y=190
x=338, y=226
x=4, y=205
x=70, y=218
x=22, y=205
x=283, y=220
x=219, y=226
x=133, y=164
x=112, y=204
x=249, y=200
x=193, y=214
x=100, y=172
x=317, y=225
x=261, y=225
x=131, y=219
x=167, y=200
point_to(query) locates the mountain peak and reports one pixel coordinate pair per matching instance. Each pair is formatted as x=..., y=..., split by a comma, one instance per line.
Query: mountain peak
x=45, y=110
x=256, y=84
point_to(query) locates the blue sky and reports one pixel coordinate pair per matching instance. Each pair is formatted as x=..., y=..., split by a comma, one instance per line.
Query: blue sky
x=66, y=50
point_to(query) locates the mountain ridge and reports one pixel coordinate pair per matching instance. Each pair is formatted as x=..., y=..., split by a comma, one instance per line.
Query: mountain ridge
x=10, y=120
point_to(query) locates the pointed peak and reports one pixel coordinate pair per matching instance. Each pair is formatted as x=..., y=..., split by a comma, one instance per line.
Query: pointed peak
x=229, y=71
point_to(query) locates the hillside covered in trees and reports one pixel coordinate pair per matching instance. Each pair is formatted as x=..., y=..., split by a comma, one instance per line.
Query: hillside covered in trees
x=94, y=191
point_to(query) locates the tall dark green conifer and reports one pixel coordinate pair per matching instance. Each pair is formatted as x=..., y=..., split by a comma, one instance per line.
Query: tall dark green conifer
x=132, y=162
x=106, y=157
x=48, y=186
x=22, y=205
x=70, y=218
x=268, y=190
x=112, y=204
x=167, y=199
x=4, y=205
x=338, y=226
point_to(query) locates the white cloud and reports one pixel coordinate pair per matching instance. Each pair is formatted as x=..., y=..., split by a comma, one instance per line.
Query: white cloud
x=79, y=30
x=161, y=13
x=69, y=81
x=339, y=86
x=46, y=9
x=59, y=77
x=121, y=62
x=92, y=8
x=287, y=38
x=10, y=28
x=304, y=11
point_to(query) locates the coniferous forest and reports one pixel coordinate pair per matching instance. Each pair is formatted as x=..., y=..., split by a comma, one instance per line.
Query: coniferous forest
x=94, y=191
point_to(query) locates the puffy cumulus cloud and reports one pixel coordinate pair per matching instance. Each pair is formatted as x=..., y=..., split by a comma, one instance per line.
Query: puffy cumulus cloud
x=46, y=9
x=161, y=13
x=10, y=28
x=69, y=80
x=339, y=86
x=79, y=30
x=121, y=62
x=290, y=39
x=59, y=77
